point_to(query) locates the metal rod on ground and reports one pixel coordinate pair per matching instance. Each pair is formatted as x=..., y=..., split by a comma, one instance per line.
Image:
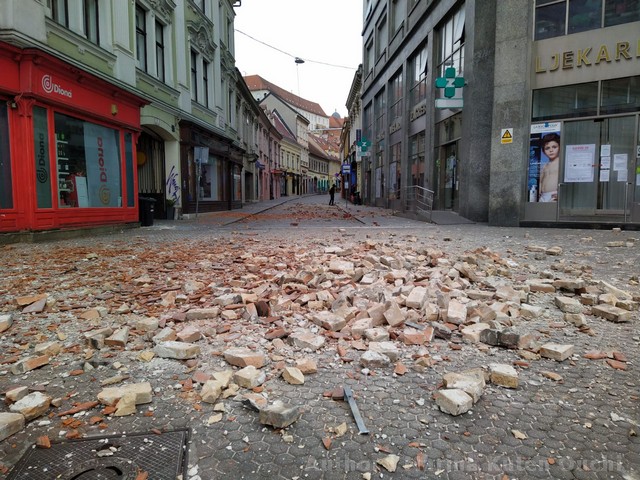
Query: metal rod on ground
x=348, y=395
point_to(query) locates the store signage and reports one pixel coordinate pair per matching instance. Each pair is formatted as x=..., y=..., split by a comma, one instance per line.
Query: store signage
x=565, y=60
x=452, y=89
x=49, y=86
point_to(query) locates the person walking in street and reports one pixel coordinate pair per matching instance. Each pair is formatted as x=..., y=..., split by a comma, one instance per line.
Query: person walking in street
x=332, y=194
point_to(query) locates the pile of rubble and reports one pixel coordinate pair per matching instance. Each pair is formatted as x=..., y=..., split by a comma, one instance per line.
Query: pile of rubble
x=271, y=312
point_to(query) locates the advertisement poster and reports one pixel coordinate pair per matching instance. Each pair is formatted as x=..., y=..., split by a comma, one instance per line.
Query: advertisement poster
x=103, y=165
x=544, y=161
x=579, y=164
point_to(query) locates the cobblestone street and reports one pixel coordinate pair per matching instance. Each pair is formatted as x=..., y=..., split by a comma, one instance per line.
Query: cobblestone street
x=578, y=418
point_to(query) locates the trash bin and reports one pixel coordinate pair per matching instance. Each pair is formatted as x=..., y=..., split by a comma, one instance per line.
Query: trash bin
x=146, y=205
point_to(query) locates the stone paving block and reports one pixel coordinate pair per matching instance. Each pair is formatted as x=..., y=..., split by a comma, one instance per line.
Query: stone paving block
x=453, y=401
x=417, y=298
x=359, y=326
x=577, y=319
x=279, y=415
x=189, y=334
x=6, y=320
x=141, y=392
x=371, y=359
x=470, y=384
x=556, y=351
x=471, y=333
x=542, y=286
x=211, y=391
x=304, y=339
x=10, y=423
x=503, y=375
x=48, y=348
x=611, y=313
x=203, y=313
x=329, y=321
x=529, y=312
x=490, y=336
x=167, y=334
x=570, y=284
x=377, y=334
x=388, y=349
x=568, y=305
x=32, y=406
x=126, y=405
x=119, y=338
x=243, y=357
x=149, y=324
x=307, y=365
x=176, y=350
x=249, y=377
x=514, y=337
x=456, y=312
x=17, y=393
x=394, y=315
x=30, y=363
x=293, y=376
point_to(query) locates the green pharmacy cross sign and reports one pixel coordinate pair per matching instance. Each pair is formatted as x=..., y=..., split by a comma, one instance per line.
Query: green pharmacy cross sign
x=451, y=85
x=364, y=144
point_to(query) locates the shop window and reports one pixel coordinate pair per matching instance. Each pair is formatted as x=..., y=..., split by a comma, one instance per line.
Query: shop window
x=237, y=183
x=6, y=193
x=42, y=162
x=87, y=164
x=141, y=37
x=617, y=12
x=416, y=160
x=128, y=168
x=212, y=179
x=91, y=21
x=584, y=15
x=394, y=171
x=620, y=95
x=565, y=102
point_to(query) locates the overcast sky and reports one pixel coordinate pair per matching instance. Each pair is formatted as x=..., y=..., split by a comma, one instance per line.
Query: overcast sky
x=318, y=31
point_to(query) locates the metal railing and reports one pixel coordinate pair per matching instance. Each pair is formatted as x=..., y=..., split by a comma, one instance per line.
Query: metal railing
x=418, y=200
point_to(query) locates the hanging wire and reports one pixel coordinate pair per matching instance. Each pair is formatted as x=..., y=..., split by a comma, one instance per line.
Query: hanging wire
x=296, y=58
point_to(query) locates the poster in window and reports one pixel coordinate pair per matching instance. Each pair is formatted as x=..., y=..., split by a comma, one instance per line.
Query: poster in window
x=103, y=165
x=579, y=164
x=544, y=162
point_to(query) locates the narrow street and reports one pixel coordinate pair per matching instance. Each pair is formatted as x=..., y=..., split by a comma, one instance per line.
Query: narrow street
x=213, y=317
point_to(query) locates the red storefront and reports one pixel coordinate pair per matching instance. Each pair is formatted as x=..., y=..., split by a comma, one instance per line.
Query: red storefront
x=67, y=145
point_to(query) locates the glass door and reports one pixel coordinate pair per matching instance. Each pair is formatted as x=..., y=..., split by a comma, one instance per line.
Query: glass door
x=635, y=181
x=597, y=165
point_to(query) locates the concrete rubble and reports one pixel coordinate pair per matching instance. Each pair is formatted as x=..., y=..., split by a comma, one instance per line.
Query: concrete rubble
x=265, y=318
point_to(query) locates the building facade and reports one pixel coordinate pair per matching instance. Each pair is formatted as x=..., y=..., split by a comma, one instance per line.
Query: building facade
x=69, y=133
x=153, y=81
x=512, y=113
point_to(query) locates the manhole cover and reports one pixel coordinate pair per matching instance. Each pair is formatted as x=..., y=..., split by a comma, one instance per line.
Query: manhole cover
x=163, y=457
